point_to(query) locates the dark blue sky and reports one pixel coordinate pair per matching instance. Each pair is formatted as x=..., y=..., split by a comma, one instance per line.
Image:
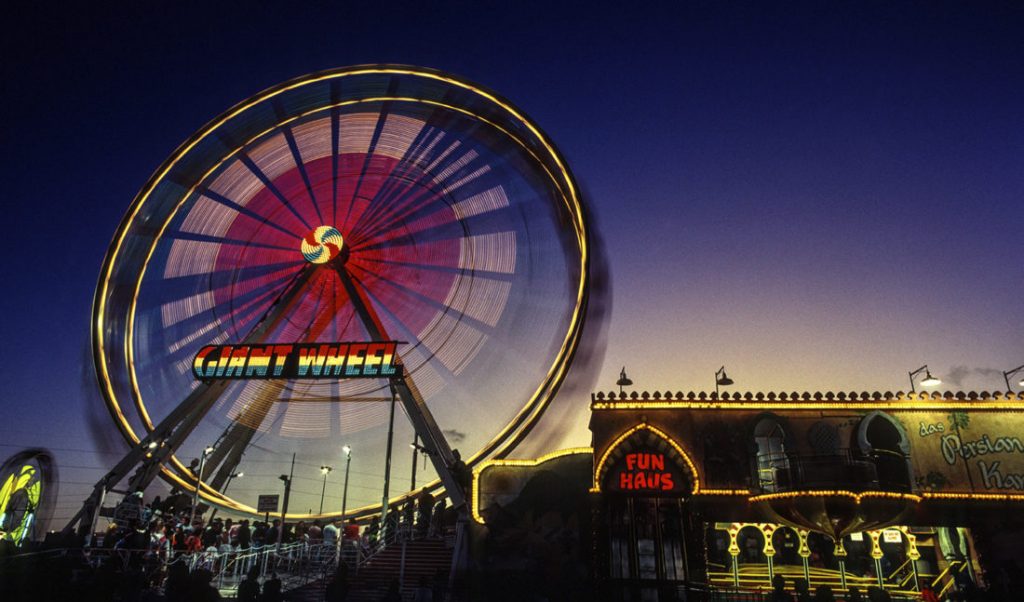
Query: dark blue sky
x=818, y=195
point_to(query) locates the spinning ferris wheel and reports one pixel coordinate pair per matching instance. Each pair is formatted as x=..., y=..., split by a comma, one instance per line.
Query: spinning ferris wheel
x=365, y=203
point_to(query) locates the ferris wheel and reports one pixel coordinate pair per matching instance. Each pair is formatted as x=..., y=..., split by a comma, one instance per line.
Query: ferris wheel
x=365, y=203
x=28, y=490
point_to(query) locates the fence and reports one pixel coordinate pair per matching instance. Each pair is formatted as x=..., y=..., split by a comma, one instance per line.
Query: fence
x=296, y=564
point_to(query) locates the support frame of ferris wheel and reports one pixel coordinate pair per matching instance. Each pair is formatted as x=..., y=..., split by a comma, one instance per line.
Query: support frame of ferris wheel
x=149, y=455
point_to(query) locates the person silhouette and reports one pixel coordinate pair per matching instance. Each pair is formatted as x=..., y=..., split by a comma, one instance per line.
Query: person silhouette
x=249, y=588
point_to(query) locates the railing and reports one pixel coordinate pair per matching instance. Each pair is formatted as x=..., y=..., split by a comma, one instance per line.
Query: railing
x=296, y=564
x=623, y=589
x=845, y=469
x=949, y=573
x=756, y=577
x=902, y=575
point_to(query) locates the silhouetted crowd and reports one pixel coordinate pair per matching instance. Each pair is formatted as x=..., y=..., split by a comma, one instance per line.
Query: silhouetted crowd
x=158, y=547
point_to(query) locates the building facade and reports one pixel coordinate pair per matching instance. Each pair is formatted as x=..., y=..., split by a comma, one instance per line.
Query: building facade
x=898, y=491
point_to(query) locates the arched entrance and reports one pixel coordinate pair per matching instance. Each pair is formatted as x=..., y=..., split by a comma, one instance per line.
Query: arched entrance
x=643, y=519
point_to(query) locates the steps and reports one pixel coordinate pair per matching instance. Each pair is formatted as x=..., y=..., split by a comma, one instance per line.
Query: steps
x=423, y=558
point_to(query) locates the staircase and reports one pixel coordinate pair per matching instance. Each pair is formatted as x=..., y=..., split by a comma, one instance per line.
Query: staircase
x=423, y=558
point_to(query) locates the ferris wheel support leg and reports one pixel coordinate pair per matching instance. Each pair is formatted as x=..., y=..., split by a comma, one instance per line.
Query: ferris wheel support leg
x=434, y=440
x=233, y=442
x=151, y=451
x=415, y=407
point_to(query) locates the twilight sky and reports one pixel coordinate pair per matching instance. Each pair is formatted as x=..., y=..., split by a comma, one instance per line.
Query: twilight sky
x=820, y=196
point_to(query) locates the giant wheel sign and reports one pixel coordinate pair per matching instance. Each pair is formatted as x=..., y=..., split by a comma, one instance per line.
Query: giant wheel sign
x=354, y=204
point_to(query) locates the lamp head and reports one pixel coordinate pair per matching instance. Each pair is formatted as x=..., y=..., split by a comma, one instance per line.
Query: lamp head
x=723, y=378
x=237, y=475
x=1008, y=373
x=208, y=450
x=929, y=380
x=347, y=449
x=623, y=379
x=325, y=469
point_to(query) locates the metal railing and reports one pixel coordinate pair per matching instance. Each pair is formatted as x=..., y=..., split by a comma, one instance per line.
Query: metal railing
x=296, y=564
x=845, y=468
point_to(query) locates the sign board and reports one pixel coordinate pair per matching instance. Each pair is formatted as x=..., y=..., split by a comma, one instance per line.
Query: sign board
x=892, y=536
x=646, y=471
x=301, y=360
x=267, y=503
x=966, y=451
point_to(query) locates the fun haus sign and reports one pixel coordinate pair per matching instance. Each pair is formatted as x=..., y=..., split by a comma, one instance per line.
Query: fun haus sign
x=645, y=471
x=302, y=360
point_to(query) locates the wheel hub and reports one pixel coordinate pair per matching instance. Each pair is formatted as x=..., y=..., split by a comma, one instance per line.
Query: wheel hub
x=322, y=244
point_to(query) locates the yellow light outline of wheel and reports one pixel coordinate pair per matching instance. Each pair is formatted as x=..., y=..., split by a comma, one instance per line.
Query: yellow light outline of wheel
x=523, y=419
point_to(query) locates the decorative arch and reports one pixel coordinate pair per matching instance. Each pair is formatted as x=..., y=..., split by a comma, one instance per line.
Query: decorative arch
x=770, y=436
x=883, y=438
x=862, y=432
x=624, y=442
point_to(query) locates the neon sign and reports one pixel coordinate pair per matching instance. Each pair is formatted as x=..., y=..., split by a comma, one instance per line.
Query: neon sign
x=645, y=471
x=303, y=360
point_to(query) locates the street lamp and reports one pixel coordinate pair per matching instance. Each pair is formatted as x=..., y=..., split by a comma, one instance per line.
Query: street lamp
x=927, y=381
x=415, y=457
x=623, y=380
x=348, y=463
x=326, y=470
x=199, y=481
x=1010, y=373
x=721, y=378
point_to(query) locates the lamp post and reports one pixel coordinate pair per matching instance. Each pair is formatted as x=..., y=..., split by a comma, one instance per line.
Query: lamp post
x=326, y=470
x=199, y=482
x=387, y=464
x=287, y=479
x=721, y=378
x=344, y=495
x=415, y=457
x=344, y=500
x=1009, y=373
x=927, y=381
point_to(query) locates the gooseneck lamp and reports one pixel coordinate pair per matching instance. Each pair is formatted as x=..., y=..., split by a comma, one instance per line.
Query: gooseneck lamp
x=927, y=381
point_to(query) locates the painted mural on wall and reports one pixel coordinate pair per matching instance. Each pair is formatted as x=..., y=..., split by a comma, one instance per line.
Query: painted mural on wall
x=966, y=451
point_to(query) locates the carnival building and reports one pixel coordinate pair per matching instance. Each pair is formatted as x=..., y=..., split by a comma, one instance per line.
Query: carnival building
x=898, y=491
